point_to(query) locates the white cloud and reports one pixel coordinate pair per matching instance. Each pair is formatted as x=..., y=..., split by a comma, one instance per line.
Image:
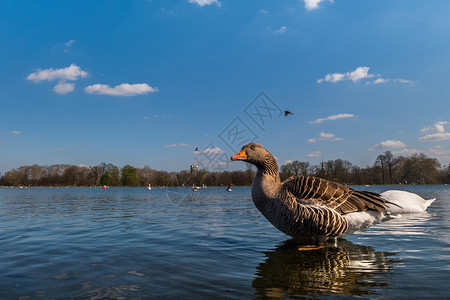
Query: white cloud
x=167, y=11
x=358, y=74
x=205, y=2
x=73, y=72
x=123, y=89
x=438, y=127
x=178, y=145
x=405, y=152
x=313, y=4
x=335, y=77
x=436, y=137
x=263, y=11
x=151, y=117
x=315, y=154
x=281, y=30
x=439, y=151
x=442, y=154
x=64, y=88
x=210, y=151
x=436, y=132
x=385, y=80
x=14, y=132
x=324, y=137
x=388, y=144
x=401, y=80
x=332, y=118
x=381, y=80
x=68, y=45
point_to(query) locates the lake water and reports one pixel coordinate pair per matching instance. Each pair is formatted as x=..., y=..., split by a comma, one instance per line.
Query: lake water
x=173, y=243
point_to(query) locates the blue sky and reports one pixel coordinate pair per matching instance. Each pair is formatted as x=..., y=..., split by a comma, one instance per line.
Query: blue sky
x=146, y=82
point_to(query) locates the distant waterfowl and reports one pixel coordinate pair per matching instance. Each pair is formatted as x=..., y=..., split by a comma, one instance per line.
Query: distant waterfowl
x=286, y=113
x=229, y=188
x=312, y=210
x=149, y=186
x=196, y=149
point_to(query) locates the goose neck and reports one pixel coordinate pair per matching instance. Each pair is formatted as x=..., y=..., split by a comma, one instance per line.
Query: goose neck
x=266, y=183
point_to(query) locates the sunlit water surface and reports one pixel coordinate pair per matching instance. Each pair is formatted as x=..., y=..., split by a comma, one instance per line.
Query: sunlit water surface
x=177, y=244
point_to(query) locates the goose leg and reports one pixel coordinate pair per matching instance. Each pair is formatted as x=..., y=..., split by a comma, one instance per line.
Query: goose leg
x=310, y=247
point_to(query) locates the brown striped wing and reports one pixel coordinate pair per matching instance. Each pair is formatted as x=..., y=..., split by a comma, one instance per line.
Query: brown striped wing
x=316, y=191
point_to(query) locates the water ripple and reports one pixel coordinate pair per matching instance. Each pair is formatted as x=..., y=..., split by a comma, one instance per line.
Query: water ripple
x=174, y=243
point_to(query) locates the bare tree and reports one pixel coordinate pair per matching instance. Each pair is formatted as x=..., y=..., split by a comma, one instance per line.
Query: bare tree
x=145, y=175
x=381, y=161
x=390, y=161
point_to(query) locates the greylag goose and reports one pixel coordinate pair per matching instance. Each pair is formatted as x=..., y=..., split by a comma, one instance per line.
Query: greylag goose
x=310, y=209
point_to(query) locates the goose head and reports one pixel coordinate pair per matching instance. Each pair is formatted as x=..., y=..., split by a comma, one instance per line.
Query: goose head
x=257, y=155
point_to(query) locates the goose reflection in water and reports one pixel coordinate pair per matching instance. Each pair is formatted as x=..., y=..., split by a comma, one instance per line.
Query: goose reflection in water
x=344, y=268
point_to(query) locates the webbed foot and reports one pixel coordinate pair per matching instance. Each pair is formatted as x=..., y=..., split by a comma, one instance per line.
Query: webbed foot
x=310, y=247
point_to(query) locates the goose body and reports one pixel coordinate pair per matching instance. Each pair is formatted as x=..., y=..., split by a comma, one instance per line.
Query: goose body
x=311, y=209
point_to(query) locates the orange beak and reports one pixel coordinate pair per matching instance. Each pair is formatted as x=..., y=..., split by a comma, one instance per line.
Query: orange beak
x=239, y=156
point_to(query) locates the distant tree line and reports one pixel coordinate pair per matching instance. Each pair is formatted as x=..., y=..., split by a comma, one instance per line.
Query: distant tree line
x=387, y=169
x=111, y=175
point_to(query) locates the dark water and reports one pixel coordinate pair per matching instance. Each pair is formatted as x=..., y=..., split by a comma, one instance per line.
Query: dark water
x=174, y=243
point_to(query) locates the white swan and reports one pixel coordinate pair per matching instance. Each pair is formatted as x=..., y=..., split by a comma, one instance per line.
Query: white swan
x=405, y=202
x=312, y=210
x=397, y=203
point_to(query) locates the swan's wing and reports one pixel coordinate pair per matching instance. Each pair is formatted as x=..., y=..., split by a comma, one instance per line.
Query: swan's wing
x=316, y=191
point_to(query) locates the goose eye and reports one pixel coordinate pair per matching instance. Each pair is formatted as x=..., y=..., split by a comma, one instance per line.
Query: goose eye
x=252, y=147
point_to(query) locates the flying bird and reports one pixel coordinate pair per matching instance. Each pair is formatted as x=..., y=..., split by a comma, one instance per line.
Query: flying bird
x=286, y=113
x=313, y=210
x=196, y=149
